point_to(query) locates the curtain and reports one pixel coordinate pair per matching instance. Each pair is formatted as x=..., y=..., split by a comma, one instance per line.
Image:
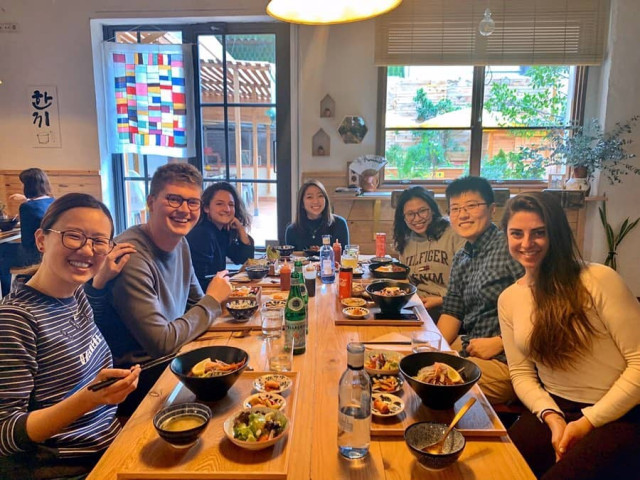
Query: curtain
x=150, y=99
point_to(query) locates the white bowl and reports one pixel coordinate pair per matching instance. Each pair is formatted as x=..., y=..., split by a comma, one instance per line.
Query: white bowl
x=389, y=356
x=356, y=313
x=228, y=430
x=353, y=302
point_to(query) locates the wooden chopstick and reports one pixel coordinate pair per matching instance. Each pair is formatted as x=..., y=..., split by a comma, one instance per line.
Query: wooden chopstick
x=145, y=366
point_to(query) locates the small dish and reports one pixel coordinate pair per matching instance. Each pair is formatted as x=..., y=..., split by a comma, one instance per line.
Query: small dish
x=357, y=289
x=280, y=296
x=358, y=272
x=272, y=383
x=353, y=302
x=386, y=383
x=265, y=399
x=269, y=416
x=356, y=313
x=275, y=304
x=386, y=405
x=382, y=362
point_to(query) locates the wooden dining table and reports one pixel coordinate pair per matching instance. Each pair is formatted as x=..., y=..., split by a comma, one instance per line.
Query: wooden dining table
x=310, y=451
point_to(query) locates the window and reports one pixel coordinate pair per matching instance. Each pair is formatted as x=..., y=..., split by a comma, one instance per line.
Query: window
x=241, y=105
x=442, y=122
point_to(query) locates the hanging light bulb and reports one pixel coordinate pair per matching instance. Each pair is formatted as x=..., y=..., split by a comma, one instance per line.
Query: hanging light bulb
x=327, y=12
x=487, y=25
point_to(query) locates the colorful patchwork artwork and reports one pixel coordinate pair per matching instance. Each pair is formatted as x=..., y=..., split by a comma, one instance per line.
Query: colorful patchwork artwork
x=151, y=106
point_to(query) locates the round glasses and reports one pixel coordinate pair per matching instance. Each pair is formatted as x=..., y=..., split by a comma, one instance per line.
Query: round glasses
x=470, y=207
x=422, y=213
x=74, y=240
x=176, y=201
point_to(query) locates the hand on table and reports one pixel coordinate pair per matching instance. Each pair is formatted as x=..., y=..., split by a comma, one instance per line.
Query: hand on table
x=485, y=348
x=113, y=264
x=219, y=287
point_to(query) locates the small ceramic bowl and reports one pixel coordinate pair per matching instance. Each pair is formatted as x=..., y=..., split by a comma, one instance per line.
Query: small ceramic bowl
x=386, y=383
x=353, y=302
x=242, y=310
x=285, y=250
x=386, y=405
x=423, y=434
x=265, y=399
x=356, y=313
x=272, y=383
x=256, y=445
x=257, y=272
x=180, y=425
x=382, y=362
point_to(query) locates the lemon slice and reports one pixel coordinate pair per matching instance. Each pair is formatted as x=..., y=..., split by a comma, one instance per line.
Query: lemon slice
x=454, y=375
x=198, y=368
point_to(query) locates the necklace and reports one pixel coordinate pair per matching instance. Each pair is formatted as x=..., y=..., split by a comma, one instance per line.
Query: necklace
x=71, y=309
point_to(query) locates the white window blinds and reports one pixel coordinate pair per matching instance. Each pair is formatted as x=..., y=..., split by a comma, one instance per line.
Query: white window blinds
x=527, y=32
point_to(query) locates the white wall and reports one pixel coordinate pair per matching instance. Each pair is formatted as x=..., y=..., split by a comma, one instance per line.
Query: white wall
x=53, y=46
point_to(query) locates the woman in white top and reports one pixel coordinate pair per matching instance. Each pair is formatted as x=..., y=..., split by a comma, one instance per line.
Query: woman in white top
x=571, y=333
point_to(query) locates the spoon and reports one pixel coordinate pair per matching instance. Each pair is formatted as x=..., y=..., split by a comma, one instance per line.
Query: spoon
x=436, y=448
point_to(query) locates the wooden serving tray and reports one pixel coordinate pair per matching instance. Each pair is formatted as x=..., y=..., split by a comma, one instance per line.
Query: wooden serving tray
x=371, y=321
x=214, y=456
x=479, y=421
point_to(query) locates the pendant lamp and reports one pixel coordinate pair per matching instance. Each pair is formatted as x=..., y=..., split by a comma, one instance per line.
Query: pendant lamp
x=327, y=12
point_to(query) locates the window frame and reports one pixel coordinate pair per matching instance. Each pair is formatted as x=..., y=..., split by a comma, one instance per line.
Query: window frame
x=476, y=128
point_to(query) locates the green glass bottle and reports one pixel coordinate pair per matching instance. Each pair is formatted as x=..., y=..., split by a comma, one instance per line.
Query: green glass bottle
x=305, y=294
x=295, y=315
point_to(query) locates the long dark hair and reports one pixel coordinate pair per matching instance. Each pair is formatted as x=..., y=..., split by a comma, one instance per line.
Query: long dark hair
x=301, y=214
x=241, y=210
x=401, y=230
x=71, y=201
x=35, y=183
x=561, y=329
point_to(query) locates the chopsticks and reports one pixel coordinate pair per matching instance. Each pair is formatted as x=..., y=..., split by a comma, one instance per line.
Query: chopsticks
x=145, y=366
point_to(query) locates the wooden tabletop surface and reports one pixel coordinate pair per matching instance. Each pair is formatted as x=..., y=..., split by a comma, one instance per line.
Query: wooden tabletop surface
x=312, y=444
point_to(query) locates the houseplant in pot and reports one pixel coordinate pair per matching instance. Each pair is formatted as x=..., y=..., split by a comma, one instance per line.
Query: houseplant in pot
x=588, y=149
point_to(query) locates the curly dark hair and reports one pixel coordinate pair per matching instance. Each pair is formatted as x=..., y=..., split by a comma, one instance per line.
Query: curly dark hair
x=401, y=230
x=241, y=210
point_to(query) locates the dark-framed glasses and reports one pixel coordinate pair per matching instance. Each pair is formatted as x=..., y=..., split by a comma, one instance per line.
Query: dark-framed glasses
x=74, y=240
x=176, y=201
x=422, y=213
x=470, y=207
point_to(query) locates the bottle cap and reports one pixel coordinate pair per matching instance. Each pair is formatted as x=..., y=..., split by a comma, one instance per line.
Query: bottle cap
x=355, y=355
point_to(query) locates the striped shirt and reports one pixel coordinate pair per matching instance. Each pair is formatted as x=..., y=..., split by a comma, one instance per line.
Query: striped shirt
x=480, y=272
x=50, y=348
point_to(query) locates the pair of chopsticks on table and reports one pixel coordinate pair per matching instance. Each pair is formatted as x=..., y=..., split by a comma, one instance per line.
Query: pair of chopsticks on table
x=145, y=366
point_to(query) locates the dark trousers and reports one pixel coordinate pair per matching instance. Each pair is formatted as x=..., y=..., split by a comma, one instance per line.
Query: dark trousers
x=611, y=451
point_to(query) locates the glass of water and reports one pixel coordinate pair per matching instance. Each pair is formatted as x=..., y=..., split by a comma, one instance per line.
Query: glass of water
x=425, y=341
x=280, y=353
x=272, y=321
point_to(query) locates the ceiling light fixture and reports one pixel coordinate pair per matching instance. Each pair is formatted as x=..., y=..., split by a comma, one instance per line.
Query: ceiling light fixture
x=328, y=12
x=487, y=24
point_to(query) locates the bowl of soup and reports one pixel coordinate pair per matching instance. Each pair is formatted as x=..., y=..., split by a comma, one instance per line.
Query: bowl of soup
x=390, y=295
x=180, y=425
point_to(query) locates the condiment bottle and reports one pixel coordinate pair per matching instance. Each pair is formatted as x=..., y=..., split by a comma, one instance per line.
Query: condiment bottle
x=285, y=276
x=337, y=251
x=327, y=261
x=345, y=280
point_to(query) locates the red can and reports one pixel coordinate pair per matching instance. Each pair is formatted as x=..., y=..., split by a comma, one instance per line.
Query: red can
x=381, y=244
x=344, y=282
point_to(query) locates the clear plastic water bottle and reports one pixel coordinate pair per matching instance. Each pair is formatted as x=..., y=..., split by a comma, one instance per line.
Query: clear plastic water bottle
x=327, y=261
x=354, y=404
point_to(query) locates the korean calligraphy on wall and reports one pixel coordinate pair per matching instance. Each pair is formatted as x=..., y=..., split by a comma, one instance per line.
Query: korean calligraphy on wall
x=43, y=116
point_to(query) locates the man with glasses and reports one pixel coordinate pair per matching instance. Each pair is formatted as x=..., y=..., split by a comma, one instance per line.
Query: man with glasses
x=156, y=304
x=481, y=270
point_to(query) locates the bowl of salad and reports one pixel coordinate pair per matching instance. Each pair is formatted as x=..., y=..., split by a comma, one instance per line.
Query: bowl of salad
x=382, y=362
x=210, y=372
x=256, y=428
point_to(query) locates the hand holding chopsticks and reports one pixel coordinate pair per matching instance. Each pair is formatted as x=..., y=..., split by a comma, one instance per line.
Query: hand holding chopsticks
x=145, y=366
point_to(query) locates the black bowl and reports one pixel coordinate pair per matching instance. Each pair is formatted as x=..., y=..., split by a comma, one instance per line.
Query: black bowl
x=401, y=275
x=422, y=434
x=439, y=397
x=390, y=304
x=242, y=313
x=256, y=272
x=285, y=250
x=311, y=252
x=209, y=388
x=8, y=223
x=182, y=438
x=381, y=260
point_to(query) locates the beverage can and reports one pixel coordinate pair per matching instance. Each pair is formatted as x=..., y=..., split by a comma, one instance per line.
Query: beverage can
x=344, y=282
x=381, y=244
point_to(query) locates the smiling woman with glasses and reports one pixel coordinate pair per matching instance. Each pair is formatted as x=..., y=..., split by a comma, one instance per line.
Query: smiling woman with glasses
x=426, y=244
x=52, y=349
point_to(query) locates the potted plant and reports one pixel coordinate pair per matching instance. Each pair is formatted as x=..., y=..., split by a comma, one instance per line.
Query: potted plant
x=614, y=239
x=587, y=149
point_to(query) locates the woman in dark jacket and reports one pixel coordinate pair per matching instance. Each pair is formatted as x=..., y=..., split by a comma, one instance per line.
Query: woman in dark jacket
x=221, y=232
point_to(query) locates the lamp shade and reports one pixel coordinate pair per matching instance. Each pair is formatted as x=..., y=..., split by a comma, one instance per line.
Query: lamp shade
x=327, y=12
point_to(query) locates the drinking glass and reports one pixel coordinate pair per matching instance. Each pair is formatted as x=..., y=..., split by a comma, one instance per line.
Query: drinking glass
x=310, y=275
x=280, y=353
x=350, y=256
x=425, y=341
x=272, y=321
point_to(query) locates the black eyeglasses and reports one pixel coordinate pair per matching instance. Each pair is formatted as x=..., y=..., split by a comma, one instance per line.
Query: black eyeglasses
x=422, y=213
x=74, y=240
x=176, y=201
x=470, y=207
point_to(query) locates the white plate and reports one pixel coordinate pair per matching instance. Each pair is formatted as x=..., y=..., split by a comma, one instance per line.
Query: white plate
x=284, y=382
x=399, y=382
x=277, y=402
x=353, y=302
x=356, y=313
x=395, y=404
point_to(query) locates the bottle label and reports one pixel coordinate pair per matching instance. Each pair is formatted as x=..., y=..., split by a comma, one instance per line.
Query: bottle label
x=297, y=331
x=295, y=304
x=327, y=267
x=345, y=422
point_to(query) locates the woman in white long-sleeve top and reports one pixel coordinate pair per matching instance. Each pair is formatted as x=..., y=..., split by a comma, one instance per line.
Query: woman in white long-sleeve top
x=51, y=424
x=571, y=332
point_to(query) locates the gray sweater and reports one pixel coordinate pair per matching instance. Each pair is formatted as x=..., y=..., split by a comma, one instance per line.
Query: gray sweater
x=154, y=306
